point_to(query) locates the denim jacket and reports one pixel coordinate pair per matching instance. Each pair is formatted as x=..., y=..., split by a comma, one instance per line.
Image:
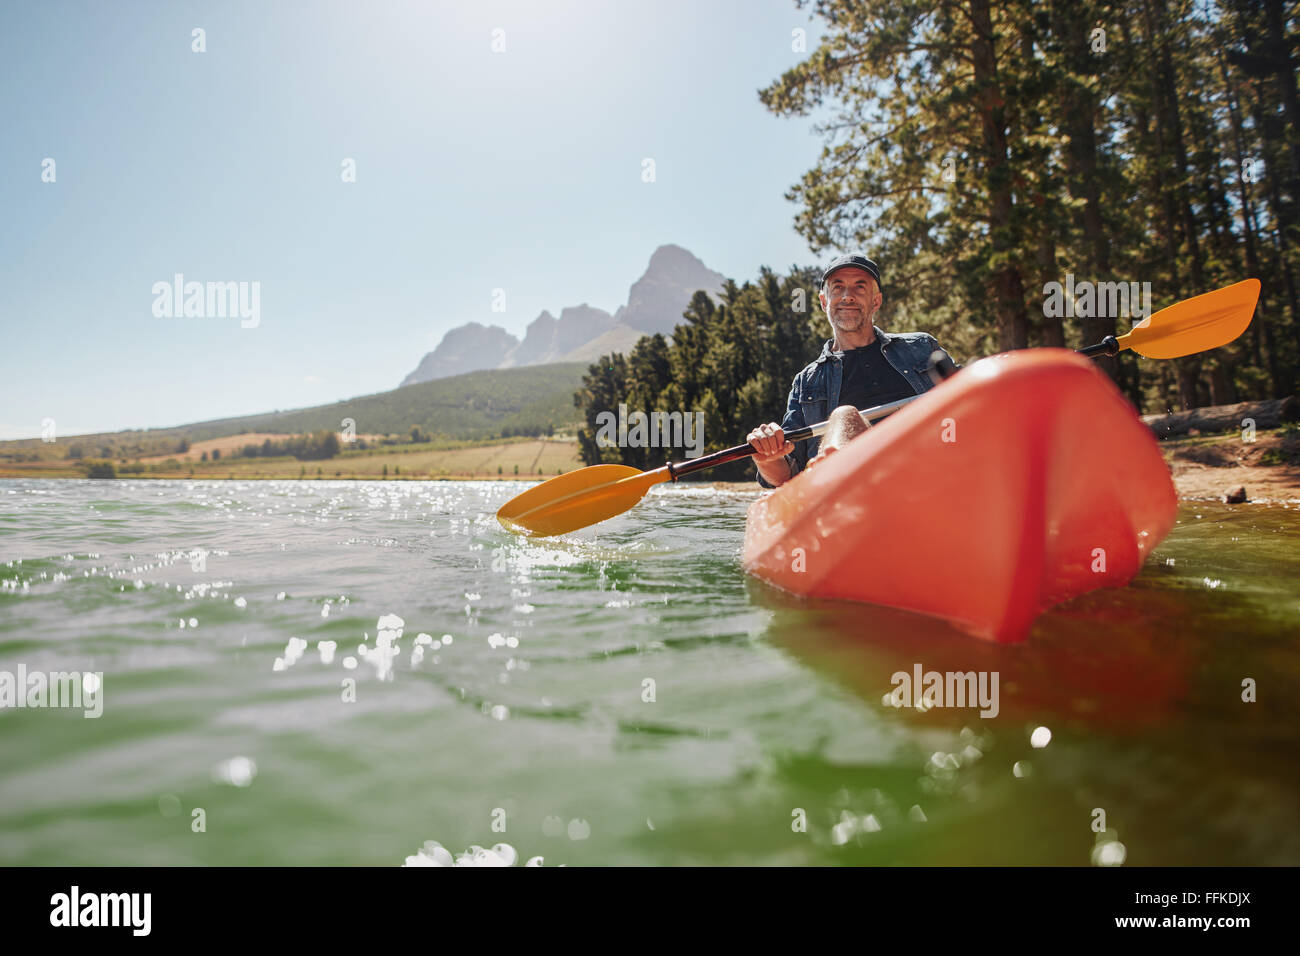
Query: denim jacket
x=816, y=390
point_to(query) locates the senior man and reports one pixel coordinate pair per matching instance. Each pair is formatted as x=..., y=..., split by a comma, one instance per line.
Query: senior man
x=860, y=367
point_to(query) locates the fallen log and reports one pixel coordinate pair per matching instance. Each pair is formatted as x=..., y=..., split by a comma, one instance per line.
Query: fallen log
x=1220, y=418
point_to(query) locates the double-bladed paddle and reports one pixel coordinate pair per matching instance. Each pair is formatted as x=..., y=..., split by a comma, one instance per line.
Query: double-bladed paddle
x=593, y=494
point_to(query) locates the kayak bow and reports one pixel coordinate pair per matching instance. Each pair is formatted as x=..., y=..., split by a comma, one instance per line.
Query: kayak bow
x=1024, y=481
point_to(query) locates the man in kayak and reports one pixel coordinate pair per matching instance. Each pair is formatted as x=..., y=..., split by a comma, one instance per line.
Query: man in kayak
x=860, y=367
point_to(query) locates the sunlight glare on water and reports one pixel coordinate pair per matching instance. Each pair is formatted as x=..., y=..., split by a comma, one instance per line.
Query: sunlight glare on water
x=337, y=672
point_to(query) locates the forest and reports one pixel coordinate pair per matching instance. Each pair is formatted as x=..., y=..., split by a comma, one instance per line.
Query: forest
x=995, y=157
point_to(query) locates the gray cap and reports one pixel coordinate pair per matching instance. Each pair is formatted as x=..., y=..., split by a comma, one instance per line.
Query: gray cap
x=858, y=262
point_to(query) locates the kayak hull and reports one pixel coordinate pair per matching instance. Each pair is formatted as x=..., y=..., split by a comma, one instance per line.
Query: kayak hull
x=1023, y=481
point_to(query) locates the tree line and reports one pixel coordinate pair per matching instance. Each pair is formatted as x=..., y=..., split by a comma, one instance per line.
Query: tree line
x=733, y=360
x=316, y=446
x=994, y=157
x=983, y=150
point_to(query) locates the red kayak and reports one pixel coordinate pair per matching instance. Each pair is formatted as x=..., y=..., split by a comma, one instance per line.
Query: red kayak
x=1024, y=480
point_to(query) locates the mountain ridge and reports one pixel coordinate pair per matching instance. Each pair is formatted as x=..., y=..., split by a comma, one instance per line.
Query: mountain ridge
x=476, y=405
x=583, y=332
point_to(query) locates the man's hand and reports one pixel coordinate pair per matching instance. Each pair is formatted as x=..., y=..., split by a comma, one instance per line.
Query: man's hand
x=770, y=449
x=769, y=443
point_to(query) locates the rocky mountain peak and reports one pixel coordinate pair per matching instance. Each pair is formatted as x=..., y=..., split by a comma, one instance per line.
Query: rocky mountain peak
x=581, y=332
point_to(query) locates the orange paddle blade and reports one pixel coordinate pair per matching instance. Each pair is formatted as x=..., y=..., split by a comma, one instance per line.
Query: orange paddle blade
x=568, y=502
x=1197, y=324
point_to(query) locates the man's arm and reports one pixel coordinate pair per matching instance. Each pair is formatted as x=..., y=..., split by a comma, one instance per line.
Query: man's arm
x=774, y=466
x=778, y=459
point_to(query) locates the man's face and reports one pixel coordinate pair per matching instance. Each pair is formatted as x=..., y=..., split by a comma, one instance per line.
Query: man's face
x=851, y=299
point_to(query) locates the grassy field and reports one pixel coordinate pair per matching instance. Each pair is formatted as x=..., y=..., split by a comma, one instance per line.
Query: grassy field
x=522, y=457
x=228, y=447
x=477, y=406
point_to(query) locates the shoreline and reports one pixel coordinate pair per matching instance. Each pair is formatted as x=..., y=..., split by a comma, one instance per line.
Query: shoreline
x=1203, y=484
x=1203, y=468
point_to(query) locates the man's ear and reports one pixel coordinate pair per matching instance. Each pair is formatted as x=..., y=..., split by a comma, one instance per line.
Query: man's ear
x=879, y=300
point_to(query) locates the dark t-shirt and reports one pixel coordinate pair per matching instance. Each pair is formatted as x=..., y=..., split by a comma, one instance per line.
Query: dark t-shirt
x=869, y=379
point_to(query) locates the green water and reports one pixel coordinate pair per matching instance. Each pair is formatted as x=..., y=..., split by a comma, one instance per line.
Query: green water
x=535, y=719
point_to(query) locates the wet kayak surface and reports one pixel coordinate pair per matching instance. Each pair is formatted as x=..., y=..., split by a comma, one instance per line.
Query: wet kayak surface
x=622, y=695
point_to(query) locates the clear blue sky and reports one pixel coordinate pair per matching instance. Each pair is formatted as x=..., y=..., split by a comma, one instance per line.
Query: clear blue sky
x=476, y=170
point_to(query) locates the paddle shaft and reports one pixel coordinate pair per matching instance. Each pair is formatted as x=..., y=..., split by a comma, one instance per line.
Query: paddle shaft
x=941, y=367
x=1107, y=346
x=679, y=468
x=588, y=495
x=1202, y=317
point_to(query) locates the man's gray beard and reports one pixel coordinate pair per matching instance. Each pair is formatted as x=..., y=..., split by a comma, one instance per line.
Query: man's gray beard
x=865, y=323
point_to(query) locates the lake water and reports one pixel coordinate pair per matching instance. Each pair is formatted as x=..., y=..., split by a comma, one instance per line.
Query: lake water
x=226, y=738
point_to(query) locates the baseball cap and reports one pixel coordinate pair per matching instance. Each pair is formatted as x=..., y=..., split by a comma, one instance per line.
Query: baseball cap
x=857, y=261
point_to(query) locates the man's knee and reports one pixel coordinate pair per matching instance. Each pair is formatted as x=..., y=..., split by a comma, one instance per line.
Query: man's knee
x=846, y=423
x=844, y=414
